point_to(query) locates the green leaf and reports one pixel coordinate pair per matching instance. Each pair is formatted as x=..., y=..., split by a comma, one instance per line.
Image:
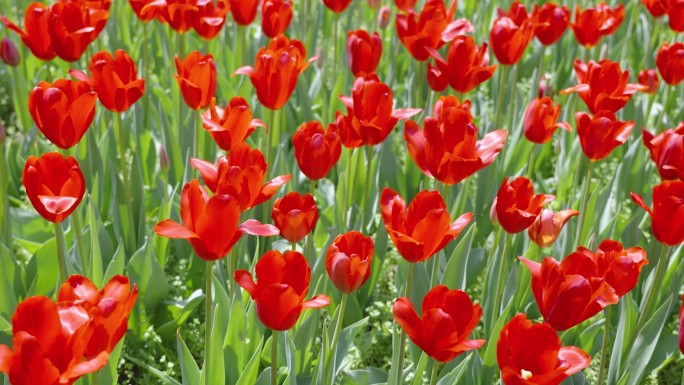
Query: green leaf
x=190, y=372
x=249, y=374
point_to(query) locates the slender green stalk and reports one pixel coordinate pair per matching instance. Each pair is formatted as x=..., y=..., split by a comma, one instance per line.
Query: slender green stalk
x=48, y=72
x=335, y=340
x=668, y=100
x=6, y=233
x=126, y=181
x=402, y=341
x=535, y=256
x=435, y=373
x=76, y=222
x=198, y=136
x=347, y=190
x=540, y=65
x=61, y=253
x=93, y=380
x=146, y=74
x=294, y=246
x=500, y=284
x=310, y=246
x=604, y=347
x=274, y=358
x=208, y=311
x=653, y=291
x=270, y=139
x=335, y=37
x=583, y=204
x=511, y=101
x=490, y=261
x=435, y=269
x=530, y=164
x=367, y=186
x=499, y=99
x=649, y=108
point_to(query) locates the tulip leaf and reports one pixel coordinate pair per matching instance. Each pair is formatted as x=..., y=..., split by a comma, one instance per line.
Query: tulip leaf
x=490, y=351
x=455, y=375
x=164, y=378
x=190, y=372
x=455, y=272
x=370, y=376
x=251, y=371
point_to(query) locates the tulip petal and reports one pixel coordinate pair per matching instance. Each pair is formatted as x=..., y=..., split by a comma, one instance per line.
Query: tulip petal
x=406, y=113
x=639, y=200
x=456, y=28
x=80, y=75
x=270, y=189
x=76, y=288
x=407, y=318
x=171, y=229
x=316, y=302
x=245, y=280
x=575, y=358
x=85, y=367
x=254, y=227
x=246, y=70
x=57, y=204
x=5, y=359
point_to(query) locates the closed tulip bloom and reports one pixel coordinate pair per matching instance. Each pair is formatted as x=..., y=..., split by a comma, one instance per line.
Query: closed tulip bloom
x=675, y=14
x=584, y=283
x=363, y=51
x=405, y=5
x=277, y=69
x=281, y=289
x=8, y=52
x=244, y=11
x=337, y=6
x=466, y=65
x=180, y=15
x=240, y=174
x=422, y=229
x=667, y=151
x=211, y=18
x=70, y=30
x=35, y=34
x=666, y=219
x=316, y=150
x=295, y=215
x=649, y=79
x=437, y=80
x=512, y=33
x=49, y=344
x=232, y=125
x=276, y=16
x=601, y=133
x=553, y=20
x=54, y=185
x=670, y=62
x=541, y=120
x=349, y=260
x=532, y=354
x=448, y=317
x=384, y=17
x=447, y=148
x=517, y=207
x=108, y=308
x=63, y=110
x=596, y=22
x=657, y=8
x=548, y=225
x=210, y=224
x=197, y=79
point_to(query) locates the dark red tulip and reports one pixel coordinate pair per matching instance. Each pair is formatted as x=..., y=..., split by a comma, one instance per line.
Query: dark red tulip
x=180, y=15
x=230, y=126
x=384, y=17
x=667, y=221
x=512, y=33
x=466, y=65
x=541, y=120
x=447, y=148
x=577, y=288
x=437, y=80
x=54, y=185
x=552, y=20
x=197, y=79
x=532, y=354
x=337, y=6
x=517, y=207
x=349, y=260
x=63, y=110
x=70, y=30
x=548, y=225
x=405, y=5
x=670, y=62
x=448, y=317
x=211, y=18
x=657, y=8
x=601, y=133
x=35, y=34
x=295, y=215
x=363, y=51
x=667, y=151
x=8, y=52
x=276, y=16
x=281, y=289
x=596, y=22
x=675, y=14
x=244, y=11
x=422, y=229
x=649, y=79
x=210, y=224
x=316, y=150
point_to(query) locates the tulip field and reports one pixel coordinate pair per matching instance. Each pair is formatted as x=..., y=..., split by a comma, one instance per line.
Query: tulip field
x=341, y=192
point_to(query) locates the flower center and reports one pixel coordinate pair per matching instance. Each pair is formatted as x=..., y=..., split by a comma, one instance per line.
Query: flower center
x=526, y=375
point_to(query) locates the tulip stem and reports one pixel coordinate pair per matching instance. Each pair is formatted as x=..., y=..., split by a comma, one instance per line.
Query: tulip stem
x=402, y=341
x=61, y=253
x=530, y=164
x=583, y=204
x=335, y=340
x=499, y=100
x=6, y=223
x=668, y=100
x=208, y=322
x=76, y=222
x=294, y=246
x=540, y=67
x=126, y=182
x=500, y=280
x=435, y=373
x=311, y=247
x=335, y=36
x=367, y=186
x=644, y=315
x=269, y=139
x=274, y=357
x=347, y=191
x=604, y=346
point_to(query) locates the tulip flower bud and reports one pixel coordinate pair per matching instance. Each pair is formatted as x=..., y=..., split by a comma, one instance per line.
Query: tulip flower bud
x=164, y=161
x=3, y=135
x=384, y=17
x=9, y=53
x=545, y=88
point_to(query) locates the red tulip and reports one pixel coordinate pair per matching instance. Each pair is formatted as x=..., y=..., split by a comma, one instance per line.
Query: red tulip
x=675, y=14
x=448, y=318
x=405, y=5
x=670, y=62
x=424, y=228
x=447, y=148
x=541, y=120
x=517, y=207
x=115, y=79
x=70, y=30
x=211, y=18
x=276, y=16
x=149, y=15
x=467, y=65
x=277, y=69
x=54, y=185
x=601, y=133
x=667, y=221
x=649, y=79
x=370, y=115
x=281, y=289
x=349, y=260
x=49, y=344
x=384, y=17
x=295, y=215
x=548, y=225
x=35, y=36
x=197, y=79
x=552, y=20
x=532, y=354
x=230, y=126
x=241, y=174
x=437, y=80
x=593, y=23
x=681, y=326
x=657, y=8
x=210, y=224
x=363, y=51
x=8, y=52
x=244, y=11
x=577, y=288
x=667, y=151
x=511, y=34
x=63, y=110
x=337, y=6
x=180, y=15
x=108, y=308
x=316, y=150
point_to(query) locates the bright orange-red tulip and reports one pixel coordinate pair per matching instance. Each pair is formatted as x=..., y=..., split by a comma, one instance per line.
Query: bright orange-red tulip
x=349, y=260
x=541, y=120
x=552, y=21
x=675, y=14
x=138, y=5
x=667, y=151
x=316, y=150
x=511, y=33
x=337, y=6
x=276, y=16
x=447, y=148
x=422, y=229
x=210, y=224
x=35, y=36
x=295, y=215
x=466, y=65
x=548, y=225
x=363, y=51
x=180, y=15
x=405, y=5
x=230, y=126
x=596, y=22
x=70, y=30
x=277, y=69
x=670, y=63
x=601, y=133
x=281, y=289
x=437, y=80
x=54, y=185
x=63, y=110
x=447, y=318
x=517, y=207
x=667, y=221
x=649, y=79
x=197, y=79
x=657, y=8
x=244, y=11
x=532, y=354
x=211, y=18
